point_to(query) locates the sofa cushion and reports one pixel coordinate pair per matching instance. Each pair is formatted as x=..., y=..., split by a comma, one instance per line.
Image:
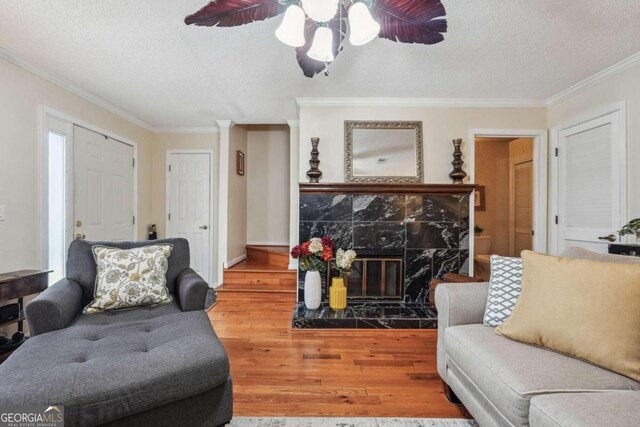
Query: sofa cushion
x=510, y=373
x=81, y=266
x=104, y=372
x=128, y=315
x=611, y=409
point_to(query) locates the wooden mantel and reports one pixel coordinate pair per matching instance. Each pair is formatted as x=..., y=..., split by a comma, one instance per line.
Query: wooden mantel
x=373, y=188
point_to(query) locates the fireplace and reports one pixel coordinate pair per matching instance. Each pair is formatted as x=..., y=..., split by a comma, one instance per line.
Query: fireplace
x=373, y=277
x=404, y=234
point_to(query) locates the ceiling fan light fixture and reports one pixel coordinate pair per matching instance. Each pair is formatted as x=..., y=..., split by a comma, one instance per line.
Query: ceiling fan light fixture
x=363, y=28
x=291, y=30
x=320, y=10
x=322, y=45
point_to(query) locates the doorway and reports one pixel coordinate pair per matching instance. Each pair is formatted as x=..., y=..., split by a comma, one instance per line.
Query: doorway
x=189, y=197
x=509, y=213
x=87, y=187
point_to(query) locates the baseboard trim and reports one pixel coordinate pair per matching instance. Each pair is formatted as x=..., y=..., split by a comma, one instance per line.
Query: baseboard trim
x=234, y=261
x=268, y=244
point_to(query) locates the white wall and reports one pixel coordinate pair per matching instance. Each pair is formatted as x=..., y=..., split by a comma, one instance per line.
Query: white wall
x=268, y=185
x=621, y=87
x=440, y=126
x=21, y=94
x=237, y=219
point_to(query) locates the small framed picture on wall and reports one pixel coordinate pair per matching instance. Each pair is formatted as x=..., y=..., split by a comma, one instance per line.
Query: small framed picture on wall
x=478, y=198
x=239, y=162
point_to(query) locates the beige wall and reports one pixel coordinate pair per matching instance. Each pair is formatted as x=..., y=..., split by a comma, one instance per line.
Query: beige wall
x=268, y=185
x=623, y=87
x=237, y=219
x=21, y=93
x=440, y=126
x=161, y=143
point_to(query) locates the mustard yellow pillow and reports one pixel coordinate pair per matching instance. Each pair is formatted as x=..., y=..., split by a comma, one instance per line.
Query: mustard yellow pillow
x=586, y=309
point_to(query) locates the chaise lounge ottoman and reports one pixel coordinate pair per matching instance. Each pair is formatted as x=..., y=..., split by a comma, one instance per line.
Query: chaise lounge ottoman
x=157, y=365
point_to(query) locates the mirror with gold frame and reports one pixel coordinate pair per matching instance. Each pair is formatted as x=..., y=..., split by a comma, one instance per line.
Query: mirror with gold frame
x=383, y=152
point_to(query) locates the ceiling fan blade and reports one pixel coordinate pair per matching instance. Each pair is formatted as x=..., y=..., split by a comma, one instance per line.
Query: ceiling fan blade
x=233, y=13
x=310, y=67
x=411, y=21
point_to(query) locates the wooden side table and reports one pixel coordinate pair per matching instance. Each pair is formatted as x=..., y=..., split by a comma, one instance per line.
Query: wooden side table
x=17, y=285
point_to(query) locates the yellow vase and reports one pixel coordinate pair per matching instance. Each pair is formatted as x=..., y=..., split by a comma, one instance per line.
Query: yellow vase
x=337, y=294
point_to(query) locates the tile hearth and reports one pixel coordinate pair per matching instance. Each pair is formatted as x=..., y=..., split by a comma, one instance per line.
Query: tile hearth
x=367, y=315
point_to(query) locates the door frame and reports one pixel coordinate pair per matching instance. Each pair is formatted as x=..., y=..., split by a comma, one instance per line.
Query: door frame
x=212, y=213
x=540, y=168
x=554, y=173
x=43, y=179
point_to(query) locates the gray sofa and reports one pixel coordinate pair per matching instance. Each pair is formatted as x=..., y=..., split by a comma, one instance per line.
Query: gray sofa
x=158, y=365
x=505, y=383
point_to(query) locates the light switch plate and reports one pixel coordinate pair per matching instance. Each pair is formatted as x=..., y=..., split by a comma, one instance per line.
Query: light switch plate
x=1, y=212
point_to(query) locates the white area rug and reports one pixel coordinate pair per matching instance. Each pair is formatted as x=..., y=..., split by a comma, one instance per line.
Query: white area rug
x=348, y=422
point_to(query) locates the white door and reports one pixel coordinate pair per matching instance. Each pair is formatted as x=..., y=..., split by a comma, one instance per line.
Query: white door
x=103, y=187
x=188, y=202
x=591, y=183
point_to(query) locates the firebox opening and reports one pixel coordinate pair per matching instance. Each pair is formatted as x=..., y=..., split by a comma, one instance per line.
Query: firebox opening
x=373, y=277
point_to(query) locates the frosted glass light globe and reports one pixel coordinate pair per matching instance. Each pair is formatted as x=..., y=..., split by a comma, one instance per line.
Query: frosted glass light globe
x=320, y=10
x=322, y=46
x=291, y=30
x=363, y=28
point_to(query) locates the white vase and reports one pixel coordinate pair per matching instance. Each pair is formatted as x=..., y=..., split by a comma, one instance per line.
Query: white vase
x=312, y=290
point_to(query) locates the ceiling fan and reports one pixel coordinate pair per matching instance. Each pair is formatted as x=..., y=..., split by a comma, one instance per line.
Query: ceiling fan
x=317, y=28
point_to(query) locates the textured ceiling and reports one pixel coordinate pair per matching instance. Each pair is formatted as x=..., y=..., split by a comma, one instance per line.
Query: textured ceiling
x=139, y=56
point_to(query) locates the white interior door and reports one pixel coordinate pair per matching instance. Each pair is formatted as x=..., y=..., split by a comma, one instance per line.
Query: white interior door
x=591, y=183
x=103, y=187
x=189, y=204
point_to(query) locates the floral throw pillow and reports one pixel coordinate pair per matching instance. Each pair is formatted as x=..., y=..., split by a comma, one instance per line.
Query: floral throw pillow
x=130, y=277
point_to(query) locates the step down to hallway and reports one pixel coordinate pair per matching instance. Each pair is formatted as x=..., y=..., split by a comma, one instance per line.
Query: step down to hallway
x=272, y=255
x=264, y=270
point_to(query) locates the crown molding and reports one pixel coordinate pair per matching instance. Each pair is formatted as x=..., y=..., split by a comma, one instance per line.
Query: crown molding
x=71, y=87
x=187, y=129
x=598, y=77
x=421, y=102
x=225, y=124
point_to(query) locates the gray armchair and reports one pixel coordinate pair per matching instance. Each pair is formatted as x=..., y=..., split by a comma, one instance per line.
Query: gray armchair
x=62, y=303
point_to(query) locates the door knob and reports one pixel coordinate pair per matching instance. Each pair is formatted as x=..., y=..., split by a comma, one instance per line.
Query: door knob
x=80, y=236
x=204, y=227
x=610, y=237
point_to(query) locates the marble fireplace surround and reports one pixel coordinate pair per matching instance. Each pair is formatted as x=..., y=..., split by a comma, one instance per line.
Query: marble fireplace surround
x=428, y=223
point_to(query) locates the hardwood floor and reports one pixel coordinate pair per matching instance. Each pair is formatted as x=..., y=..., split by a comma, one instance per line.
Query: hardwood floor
x=280, y=372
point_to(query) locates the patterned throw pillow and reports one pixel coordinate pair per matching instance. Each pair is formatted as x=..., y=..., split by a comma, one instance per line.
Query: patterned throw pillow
x=504, y=289
x=130, y=277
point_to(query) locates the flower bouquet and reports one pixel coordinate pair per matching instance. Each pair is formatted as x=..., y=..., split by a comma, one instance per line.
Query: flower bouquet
x=313, y=257
x=343, y=261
